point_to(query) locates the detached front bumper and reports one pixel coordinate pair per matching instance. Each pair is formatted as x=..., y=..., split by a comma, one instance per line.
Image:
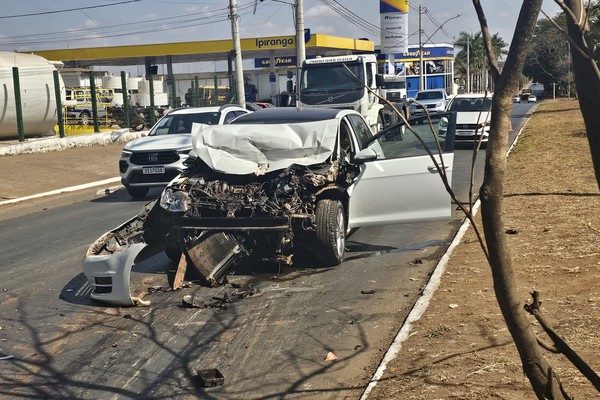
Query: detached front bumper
x=109, y=274
x=108, y=261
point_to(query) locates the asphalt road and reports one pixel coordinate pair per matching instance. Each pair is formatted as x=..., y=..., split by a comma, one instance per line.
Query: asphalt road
x=272, y=345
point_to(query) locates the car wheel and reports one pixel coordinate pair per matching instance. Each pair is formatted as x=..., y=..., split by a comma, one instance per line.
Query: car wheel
x=84, y=118
x=330, y=232
x=173, y=253
x=137, y=192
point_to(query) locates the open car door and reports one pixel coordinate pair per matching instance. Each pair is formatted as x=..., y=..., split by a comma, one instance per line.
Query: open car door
x=399, y=181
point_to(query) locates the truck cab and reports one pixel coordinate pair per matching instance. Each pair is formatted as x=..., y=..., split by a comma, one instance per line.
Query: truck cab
x=340, y=82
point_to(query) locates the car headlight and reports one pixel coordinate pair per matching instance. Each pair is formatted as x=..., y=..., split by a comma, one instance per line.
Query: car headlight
x=126, y=153
x=174, y=200
x=443, y=123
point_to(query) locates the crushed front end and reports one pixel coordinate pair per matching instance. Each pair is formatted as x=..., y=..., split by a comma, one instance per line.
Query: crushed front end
x=270, y=214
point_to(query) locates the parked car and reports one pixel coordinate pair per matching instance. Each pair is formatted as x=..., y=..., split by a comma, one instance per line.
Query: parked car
x=532, y=98
x=432, y=100
x=276, y=181
x=473, y=116
x=517, y=98
x=154, y=160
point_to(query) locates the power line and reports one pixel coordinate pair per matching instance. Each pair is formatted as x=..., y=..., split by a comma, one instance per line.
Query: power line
x=181, y=21
x=67, y=10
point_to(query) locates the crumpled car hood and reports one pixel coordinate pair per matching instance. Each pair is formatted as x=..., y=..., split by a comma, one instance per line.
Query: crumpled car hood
x=180, y=141
x=257, y=149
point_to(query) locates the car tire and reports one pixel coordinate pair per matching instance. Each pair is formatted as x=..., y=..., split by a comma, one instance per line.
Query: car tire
x=137, y=193
x=84, y=118
x=173, y=253
x=330, y=232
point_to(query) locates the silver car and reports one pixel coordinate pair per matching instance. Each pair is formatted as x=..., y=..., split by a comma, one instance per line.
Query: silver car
x=274, y=184
x=154, y=160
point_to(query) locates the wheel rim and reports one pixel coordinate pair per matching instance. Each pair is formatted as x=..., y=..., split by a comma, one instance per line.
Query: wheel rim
x=340, y=234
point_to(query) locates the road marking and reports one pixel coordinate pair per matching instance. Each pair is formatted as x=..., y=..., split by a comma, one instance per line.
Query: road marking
x=59, y=191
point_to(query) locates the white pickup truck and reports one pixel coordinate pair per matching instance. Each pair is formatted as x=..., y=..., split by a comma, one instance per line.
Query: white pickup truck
x=432, y=100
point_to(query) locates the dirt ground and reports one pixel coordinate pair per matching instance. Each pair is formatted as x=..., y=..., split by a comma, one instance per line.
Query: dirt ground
x=461, y=348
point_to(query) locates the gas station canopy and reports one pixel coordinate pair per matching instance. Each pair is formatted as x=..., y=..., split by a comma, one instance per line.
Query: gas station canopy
x=214, y=50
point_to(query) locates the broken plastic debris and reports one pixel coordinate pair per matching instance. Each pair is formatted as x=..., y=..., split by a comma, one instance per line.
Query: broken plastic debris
x=193, y=301
x=211, y=377
x=330, y=357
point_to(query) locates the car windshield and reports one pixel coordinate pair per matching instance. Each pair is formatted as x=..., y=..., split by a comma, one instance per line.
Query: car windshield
x=182, y=123
x=429, y=95
x=471, y=104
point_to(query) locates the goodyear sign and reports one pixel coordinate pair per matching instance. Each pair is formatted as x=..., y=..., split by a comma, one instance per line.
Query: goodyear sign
x=265, y=62
x=394, y=25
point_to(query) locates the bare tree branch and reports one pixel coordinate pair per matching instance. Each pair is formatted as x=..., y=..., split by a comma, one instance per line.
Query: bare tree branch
x=535, y=309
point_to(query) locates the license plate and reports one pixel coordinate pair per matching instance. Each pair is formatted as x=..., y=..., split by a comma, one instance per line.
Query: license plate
x=153, y=170
x=465, y=133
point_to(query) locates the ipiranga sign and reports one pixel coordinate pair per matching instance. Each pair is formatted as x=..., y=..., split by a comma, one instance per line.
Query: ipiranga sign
x=394, y=26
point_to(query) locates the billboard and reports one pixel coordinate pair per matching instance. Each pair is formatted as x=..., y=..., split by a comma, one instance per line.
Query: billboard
x=394, y=26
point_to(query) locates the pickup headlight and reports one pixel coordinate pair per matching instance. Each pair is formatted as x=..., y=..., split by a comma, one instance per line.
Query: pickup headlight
x=174, y=200
x=444, y=123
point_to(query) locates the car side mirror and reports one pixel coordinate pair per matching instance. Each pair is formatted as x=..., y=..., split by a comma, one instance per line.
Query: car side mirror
x=365, y=155
x=192, y=157
x=379, y=81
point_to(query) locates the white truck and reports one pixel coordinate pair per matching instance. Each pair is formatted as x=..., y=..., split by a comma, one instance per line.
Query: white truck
x=339, y=82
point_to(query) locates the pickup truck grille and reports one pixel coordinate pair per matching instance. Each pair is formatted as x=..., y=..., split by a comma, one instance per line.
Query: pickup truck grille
x=468, y=126
x=154, y=157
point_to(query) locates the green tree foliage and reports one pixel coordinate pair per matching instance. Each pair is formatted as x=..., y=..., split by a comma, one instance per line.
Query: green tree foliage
x=549, y=57
x=476, y=57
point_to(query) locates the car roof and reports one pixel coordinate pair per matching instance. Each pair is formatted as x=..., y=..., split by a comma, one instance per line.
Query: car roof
x=196, y=110
x=473, y=95
x=291, y=114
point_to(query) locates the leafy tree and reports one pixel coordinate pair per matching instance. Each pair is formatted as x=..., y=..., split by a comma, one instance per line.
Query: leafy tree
x=549, y=60
x=476, y=59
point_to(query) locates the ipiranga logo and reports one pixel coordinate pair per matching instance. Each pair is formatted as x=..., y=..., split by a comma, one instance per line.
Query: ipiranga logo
x=274, y=42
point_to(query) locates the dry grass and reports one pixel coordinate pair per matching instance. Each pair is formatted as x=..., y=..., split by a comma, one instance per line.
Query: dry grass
x=466, y=352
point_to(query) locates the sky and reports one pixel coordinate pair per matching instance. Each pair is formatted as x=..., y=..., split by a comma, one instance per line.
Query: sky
x=58, y=24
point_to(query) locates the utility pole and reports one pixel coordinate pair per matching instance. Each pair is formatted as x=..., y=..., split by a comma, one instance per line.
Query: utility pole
x=300, y=49
x=239, y=72
x=421, y=83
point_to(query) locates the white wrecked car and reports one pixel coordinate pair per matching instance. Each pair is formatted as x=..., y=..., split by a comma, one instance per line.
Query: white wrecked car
x=278, y=180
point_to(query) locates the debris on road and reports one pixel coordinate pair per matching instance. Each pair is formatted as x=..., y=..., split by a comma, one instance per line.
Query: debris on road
x=211, y=377
x=331, y=357
x=370, y=291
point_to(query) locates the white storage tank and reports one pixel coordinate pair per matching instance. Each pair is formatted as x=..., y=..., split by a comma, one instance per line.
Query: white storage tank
x=38, y=99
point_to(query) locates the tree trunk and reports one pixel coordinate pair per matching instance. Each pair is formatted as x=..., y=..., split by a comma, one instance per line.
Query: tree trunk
x=587, y=77
x=535, y=365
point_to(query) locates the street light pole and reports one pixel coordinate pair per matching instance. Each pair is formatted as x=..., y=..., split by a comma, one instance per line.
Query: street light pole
x=469, y=64
x=421, y=83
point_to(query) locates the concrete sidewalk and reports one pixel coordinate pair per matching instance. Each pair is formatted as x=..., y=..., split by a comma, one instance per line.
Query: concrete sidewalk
x=42, y=165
